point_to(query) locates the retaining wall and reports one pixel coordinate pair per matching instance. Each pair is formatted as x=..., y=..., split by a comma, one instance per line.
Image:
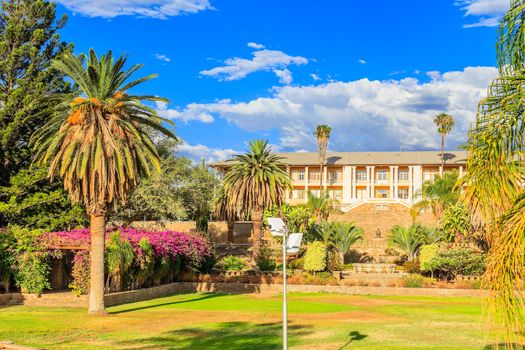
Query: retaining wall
x=67, y=299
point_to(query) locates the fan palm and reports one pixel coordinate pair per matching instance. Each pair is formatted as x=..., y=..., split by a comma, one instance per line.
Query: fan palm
x=494, y=191
x=438, y=194
x=322, y=133
x=408, y=240
x=96, y=141
x=444, y=123
x=256, y=180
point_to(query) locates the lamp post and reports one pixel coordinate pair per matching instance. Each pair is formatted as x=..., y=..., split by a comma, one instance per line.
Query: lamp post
x=291, y=245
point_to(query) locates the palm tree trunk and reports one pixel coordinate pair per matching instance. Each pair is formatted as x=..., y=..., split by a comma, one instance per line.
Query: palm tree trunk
x=96, y=285
x=231, y=225
x=442, y=151
x=321, y=179
x=257, y=219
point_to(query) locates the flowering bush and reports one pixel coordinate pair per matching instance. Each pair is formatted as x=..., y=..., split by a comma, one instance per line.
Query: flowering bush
x=157, y=256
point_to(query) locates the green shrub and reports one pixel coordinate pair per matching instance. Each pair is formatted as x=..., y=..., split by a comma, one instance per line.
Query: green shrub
x=334, y=262
x=411, y=266
x=266, y=261
x=427, y=257
x=413, y=281
x=450, y=262
x=31, y=261
x=315, y=258
x=232, y=263
x=296, y=264
x=80, y=273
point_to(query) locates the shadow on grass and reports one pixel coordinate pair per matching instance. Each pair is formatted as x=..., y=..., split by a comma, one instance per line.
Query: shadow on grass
x=354, y=336
x=222, y=336
x=502, y=346
x=151, y=306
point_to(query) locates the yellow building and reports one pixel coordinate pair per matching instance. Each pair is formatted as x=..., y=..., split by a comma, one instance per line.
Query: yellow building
x=355, y=178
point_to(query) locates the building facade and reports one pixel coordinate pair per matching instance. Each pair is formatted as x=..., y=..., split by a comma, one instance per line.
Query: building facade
x=355, y=178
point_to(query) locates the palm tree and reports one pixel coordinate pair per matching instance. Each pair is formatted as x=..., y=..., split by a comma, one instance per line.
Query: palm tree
x=444, y=123
x=322, y=133
x=223, y=209
x=97, y=142
x=321, y=206
x=408, y=240
x=345, y=236
x=437, y=195
x=494, y=192
x=256, y=180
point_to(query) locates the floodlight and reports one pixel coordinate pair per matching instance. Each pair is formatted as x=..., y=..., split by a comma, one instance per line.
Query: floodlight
x=277, y=226
x=294, y=243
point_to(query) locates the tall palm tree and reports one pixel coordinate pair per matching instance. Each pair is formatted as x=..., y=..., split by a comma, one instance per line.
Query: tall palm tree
x=494, y=192
x=322, y=133
x=444, y=123
x=224, y=210
x=97, y=142
x=256, y=180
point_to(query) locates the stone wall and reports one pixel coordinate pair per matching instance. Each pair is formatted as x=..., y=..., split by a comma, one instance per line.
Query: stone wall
x=67, y=299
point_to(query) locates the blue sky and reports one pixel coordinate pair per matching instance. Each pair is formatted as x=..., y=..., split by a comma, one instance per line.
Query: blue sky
x=237, y=70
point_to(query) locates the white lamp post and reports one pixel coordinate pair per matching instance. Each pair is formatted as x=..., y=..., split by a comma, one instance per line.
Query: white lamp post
x=291, y=244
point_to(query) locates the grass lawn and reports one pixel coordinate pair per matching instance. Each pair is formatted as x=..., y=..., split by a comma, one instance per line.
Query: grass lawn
x=218, y=321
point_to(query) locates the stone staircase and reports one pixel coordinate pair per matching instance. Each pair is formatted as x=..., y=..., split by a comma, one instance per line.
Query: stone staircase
x=240, y=250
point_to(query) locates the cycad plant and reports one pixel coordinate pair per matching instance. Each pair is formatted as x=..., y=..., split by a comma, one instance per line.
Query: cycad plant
x=321, y=206
x=438, y=194
x=256, y=180
x=96, y=140
x=495, y=177
x=337, y=235
x=322, y=133
x=408, y=240
x=444, y=122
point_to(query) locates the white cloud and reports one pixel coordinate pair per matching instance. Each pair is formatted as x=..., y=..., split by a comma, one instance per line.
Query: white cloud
x=189, y=114
x=361, y=61
x=142, y=8
x=284, y=75
x=364, y=114
x=162, y=57
x=198, y=152
x=315, y=77
x=489, y=12
x=263, y=60
x=256, y=46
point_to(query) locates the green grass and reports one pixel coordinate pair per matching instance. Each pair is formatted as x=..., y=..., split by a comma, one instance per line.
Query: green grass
x=218, y=321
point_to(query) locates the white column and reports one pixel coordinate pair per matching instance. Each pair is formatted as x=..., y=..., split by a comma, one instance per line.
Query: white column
x=391, y=181
x=418, y=178
x=396, y=182
x=372, y=181
x=368, y=181
x=325, y=178
x=410, y=181
x=306, y=178
x=287, y=190
x=441, y=171
x=354, y=182
x=347, y=184
x=460, y=171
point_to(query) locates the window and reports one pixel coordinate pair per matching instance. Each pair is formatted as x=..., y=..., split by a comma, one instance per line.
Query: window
x=361, y=175
x=403, y=175
x=314, y=175
x=382, y=193
x=427, y=175
x=338, y=194
x=402, y=193
x=298, y=194
x=382, y=175
x=334, y=175
x=301, y=175
x=315, y=193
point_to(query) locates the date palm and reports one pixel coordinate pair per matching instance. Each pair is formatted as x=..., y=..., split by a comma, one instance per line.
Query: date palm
x=97, y=142
x=495, y=192
x=322, y=133
x=255, y=181
x=444, y=123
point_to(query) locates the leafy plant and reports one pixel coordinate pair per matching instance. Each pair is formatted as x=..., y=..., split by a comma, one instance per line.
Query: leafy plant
x=80, y=273
x=416, y=281
x=315, y=257
x=438, y=194
x=448, y=262
x=456, y=222
x=232, y=263
x=119, y=256
x=266, y=262
x=427, y=258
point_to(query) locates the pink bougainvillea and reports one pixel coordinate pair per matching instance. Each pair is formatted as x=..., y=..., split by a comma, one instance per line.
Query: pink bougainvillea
x=192, y=250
